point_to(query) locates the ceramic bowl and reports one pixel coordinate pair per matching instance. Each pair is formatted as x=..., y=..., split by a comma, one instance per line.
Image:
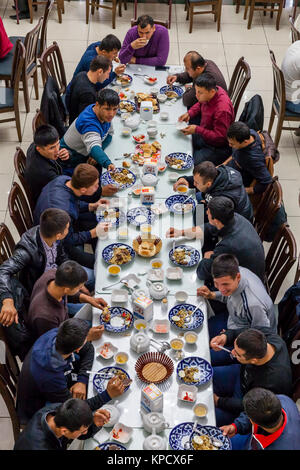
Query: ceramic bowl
x=114, y=415
x=114, y=270
x=119, y=296
x=176, y=344
x=181, y=125
x=187, y=393
x=161, y=326
x=181, y=296
x=164, y=116
x=190, y=337
x=140, y=325
x=121, y=358
x=126, y=131
x=139, y=139
x=121, y=436
x=200, y=410
x=182, y=188
x=132, y=122
x=173, y=177
x=152, y=131
x=149, y=180
x=162, y=97
x=155, y=262
x=106, y=350
x=151, y=123
x=174, y=274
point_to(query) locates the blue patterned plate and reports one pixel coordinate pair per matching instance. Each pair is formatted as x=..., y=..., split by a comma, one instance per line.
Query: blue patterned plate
x=193, y=256
x=196, y=319
x=185, y=158
x=116, y=324
x=177, y=90
x=213, y=432
x=107, y=178
x=171, y=202
x=204, y=367
x=100, y=384
x=180, y=435
x=140, y=215
x=108, y=252
x=124, y=110
x=105, y=446
x=117, y=80
x=111, y=216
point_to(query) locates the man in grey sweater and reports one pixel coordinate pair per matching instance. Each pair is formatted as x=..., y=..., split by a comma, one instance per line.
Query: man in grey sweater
x=247, y=302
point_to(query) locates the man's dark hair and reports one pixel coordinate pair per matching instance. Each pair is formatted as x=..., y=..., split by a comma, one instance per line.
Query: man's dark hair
x=207, y=81
x=222, y=209
x=45, y=135
x=84, y=176
x=263, y=407
x=253, y=342
x=225, y=265
x=100, y=62
x=196, y=59
x=70, y=274
x=72, y=414
x=238, y=131
x=71, y=335
x=144, y=20
x=108, y=97
x=53, y=221
x=109, y=43
x=207, y=171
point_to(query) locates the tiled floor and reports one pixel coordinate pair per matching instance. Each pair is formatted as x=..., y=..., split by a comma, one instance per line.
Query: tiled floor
x=225, y=48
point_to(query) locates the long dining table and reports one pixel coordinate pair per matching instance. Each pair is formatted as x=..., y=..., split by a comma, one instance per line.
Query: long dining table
x=175, y=411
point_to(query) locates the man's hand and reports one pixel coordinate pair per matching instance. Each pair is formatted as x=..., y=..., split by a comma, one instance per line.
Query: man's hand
x=139, y=43
x=171, y=79
x=250, y=190
x=8, y=314
x=98, y=303
x=218, y=340
x=101, y=417
x=194, y=232
x=78, y=390
x=173, y=233
x=63, y=154
x=120, y=69
x=132, y=60
x=228, y=430
x=111, y=167
x=179, y=182
x=95, y=333
x=109, y=190
x=115, y=387
x=102, y=228
x=208, y=254
x=216, y=399
x=92, y=161
x=206, y=293
x=184, y=117
x=93, y=206
x=189, y=129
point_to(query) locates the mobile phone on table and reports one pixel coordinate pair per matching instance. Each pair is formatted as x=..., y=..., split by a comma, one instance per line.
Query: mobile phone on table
x=161, y=67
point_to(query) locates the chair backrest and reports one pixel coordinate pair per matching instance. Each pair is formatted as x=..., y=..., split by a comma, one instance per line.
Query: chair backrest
x=52, y=66
x=238, y=83
x=19, y=209
x=38, y=120
x=31, y=44
x=43, y=38
x=10, y=403
x=281, y=256
x=294, y=31
x=20, y=165
x=270, y=203
x=161, y=23
x=17, y=66
x=278, y=85
x=297, y=273
x=7, y=243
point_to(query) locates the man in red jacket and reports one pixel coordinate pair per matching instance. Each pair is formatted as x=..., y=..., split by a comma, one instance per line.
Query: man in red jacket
x=217, y=113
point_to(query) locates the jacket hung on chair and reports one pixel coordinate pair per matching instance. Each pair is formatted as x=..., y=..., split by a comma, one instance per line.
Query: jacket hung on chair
x=253, y=113
x=52, y=107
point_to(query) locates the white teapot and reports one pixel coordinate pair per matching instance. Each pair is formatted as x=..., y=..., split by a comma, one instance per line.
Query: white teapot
x=154, y=442
x=154, y=421
x=139, y=342
x=157, y=290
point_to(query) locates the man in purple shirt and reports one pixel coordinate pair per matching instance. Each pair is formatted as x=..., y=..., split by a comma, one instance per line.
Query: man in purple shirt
x=146, y=43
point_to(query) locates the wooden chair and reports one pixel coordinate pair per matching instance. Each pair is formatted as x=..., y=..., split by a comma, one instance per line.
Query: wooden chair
x=272, y=8
x=297, y=273
x=216, y=10
x=10, y=95
x=256, y=198
x=269, y=205
x=7, y=243
x=20, y=165
x=281, y=257
x=238, y=83
x=59, y=3
x=279, y=103
x=113, y=8
x=166, y=23
x=19, y=210
x=52, y=65
x=31, y=63
x=294, y=31
x=38, y=120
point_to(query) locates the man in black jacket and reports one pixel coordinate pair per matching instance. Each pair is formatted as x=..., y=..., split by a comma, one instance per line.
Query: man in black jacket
x=43, y=159
x=39, y=249
x=211, y=181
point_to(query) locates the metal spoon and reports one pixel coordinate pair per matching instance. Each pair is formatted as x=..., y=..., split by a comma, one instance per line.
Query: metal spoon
x=187, y=445
x=103, y=375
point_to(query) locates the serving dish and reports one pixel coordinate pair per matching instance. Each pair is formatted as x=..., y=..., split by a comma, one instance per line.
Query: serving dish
x=116, y=319
x=199, y=370
x=118, y=253
x=115, y=178
x=154, y=367
x=184, y=255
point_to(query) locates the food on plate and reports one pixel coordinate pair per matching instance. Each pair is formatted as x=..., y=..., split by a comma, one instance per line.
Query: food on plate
x=139, y=138
x=171, y=94
x=122, y=96
x=202, y=442
x=182, y=207
x=128, y=107
x=181, y=256
x=105, y=351
x=111, y=214
x=106, y=315
x=189, y=374
x=126, y=164
x=175, y=162
x=147, y=247
x=187, y=397
x=122, y=177
x=123, y=79
x=181, y=315
x=160, y=328
x=121, y=255
x=147, y=97
x=152, y=79
x=153, y=371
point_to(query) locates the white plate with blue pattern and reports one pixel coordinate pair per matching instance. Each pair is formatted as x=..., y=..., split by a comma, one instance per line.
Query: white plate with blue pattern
x=175, y=88
x=196, y=319
x=214, y=433
x=176, y=203
x=108, y=252
x=192, y=256
x=121, y=320
x=107, y=178
x=123, y=110
x=100, y=383
x=204, y=374
x=106, y=446
x=140, y=215
x=185, y=159
x=113, y=215
x=180, y=435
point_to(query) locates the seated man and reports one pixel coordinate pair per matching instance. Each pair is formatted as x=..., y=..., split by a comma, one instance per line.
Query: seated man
x=5, y=44
x=269, y=422
x=247, y=302
x=82, y=90
x=195, y=65
x=51, y=292
x=108, y=48
x=291, y=71
x=56, y=425
x=39, y=249
x=43, y=160
x=211, y=181
x=248, y=157
x=146, y=44
x=65, y=193
x=264, y=362
x=55, y=369
x=90, y=134
x=217, y=113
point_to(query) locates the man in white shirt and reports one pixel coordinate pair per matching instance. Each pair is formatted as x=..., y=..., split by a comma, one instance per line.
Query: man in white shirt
x=291, y=71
